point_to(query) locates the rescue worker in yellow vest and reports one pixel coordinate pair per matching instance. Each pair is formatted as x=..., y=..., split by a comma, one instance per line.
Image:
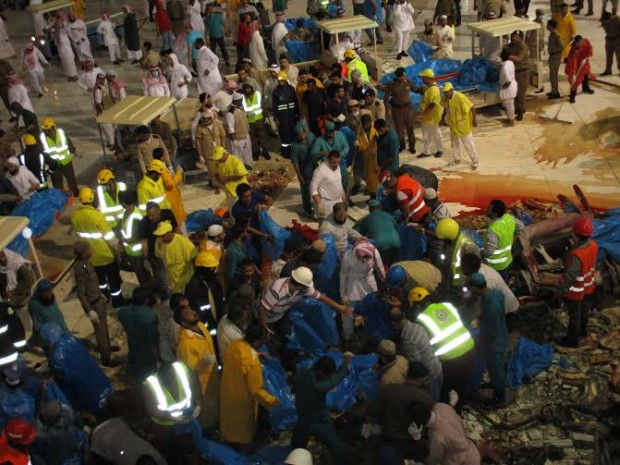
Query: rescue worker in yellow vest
x=39, y=163
x=108, y=191
x=353, y=62
x=499, y=237
x=253, y=107
x=57, y=144
x=171, y=397
x=90, y=225
x=449, y=337
x=150, y=188
x=450, y=232
x=130, y=236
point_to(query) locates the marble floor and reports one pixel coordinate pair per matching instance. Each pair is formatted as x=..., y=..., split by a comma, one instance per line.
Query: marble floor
x=536, y=158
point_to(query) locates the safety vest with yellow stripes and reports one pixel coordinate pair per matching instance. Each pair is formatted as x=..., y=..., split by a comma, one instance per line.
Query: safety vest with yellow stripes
x=110, y=206
x=457, y=275
x=57, y=148
x=253, y=107
x=171, y=409
x=40, y=173
x=151, y=191
x=504, y=227
x=128, y=229
x=90, y=225
x=448, y=336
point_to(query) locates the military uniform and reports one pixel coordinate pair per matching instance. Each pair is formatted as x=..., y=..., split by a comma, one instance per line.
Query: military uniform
x=522, y=74
x=145, y=150
x=397, y=100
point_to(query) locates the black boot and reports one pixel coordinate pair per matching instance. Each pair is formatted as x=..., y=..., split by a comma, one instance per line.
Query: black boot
x=585, y=87
x=571, y=97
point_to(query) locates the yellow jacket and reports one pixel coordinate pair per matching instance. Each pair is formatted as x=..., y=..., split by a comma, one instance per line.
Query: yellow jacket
x=233, y=166
x=240, y=392
x=430, y=95
x=90, y=226
x=173, y=194
x=178, y=257
x=151, y=191
x=567, y=28
x=192, y=350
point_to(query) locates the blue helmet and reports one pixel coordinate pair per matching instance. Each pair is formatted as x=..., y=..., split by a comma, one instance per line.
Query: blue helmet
x=396, y=277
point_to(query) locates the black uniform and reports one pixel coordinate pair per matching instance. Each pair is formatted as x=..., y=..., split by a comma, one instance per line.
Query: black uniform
x=285, y=109
x=39, y=163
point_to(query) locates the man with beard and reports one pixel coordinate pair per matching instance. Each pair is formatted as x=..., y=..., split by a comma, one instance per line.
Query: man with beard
x=23, y=180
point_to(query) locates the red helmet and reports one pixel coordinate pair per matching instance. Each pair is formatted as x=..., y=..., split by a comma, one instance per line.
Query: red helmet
x=384, y=176
x=20, y=431
x=583, y=227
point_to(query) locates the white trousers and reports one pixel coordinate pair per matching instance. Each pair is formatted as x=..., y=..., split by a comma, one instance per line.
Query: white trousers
x=402, y=40
x=134, y=54
x=243, y=149
x=37, y=79
x=431, y=133
x=509, y=105
x=468, y=142
x=108, y=133
x=115, y=52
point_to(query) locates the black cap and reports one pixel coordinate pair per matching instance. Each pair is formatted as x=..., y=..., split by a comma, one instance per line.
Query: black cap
x=399, y=71
x=518, y=32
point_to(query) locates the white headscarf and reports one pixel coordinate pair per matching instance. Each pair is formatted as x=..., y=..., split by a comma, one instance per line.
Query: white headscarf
x=14, y=262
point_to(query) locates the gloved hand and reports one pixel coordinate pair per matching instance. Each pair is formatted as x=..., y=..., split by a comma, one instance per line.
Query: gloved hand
x=92, y=316
x=453, y=398
x=366, y=430
x=196, y=412
x=415, y=431
x=209, y=359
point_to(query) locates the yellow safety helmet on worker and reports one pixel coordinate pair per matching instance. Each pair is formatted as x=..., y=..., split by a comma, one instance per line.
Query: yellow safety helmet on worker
x=447, y=228
x=417, y=294
x=104, y=176
x=86, y=195
x=47, y=124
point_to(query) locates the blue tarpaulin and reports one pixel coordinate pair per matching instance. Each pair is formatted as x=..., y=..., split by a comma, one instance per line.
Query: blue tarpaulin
x=313, y=327
x=420, y=51
x=284, y=414
x=298, y=51
x=200, y=220
x=527, y=360
x=273, y=250
x=326, y=274
x=607, y=234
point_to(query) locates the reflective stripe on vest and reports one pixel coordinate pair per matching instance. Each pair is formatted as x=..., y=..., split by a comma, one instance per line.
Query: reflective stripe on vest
x=59, y=150
x=157, y=200
x=253, y=109
x=111, y=209
x=585, y=282
x=86, y=235
x=286, y=106
x=449, y=337
x=41, y=171
x=175, y=409
x=134, y=249
x=9, y=359
x=457, y=278
x=417, y=207
x=501, y=257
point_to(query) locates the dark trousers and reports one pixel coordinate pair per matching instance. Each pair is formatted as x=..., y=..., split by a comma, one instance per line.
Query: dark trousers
x=159, y=278
x=306, y=198
x=4, y=95
x=258, y=136
x=139, y=268
x=242, y=52
x=151, y=8
x=219, y=41
x=324, y=432
x=110, y=277
x=612, y=47
x=523, y=82
x=67, y=172
x=493, y=360
x=578, y=314
x=456, y=374
x=403, y=122
x=102, y=337
x=524, y=5
x=554, y=68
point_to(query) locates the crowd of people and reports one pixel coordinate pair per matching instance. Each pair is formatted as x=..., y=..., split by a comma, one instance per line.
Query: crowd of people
x=209, y=308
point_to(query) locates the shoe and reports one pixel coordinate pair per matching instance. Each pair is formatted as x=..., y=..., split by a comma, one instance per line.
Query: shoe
x=554, y=96
x=453, y=163
x=40, y=95
x=519, y=117
x=412, y=150
x=423, y=155
x=474, y=166
x=509, y=122
x=405, y=54
x=438, y=154
x=589, y=13
x=564, y=342
x=549, y=93
x=13, y=119
x=247, y=167
x=575, y=12
x=588, y=91
x=571, y=99
x=605, y=73
x=540, y=91
x=399, y=56
x=110, y=364
x=135, y=62
x=355, y=190
x=388, y=29
x=227, y=64
x=266, y=155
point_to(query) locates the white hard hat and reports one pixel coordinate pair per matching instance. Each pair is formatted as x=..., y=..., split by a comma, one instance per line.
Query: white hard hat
x=303, y=276
x=299, y=456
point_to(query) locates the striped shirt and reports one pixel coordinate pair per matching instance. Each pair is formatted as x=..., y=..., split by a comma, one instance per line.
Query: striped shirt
x=415, y=346
x=278, y=298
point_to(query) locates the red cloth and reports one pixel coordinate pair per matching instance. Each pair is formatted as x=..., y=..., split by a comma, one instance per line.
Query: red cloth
x=244, y=34
x=578, y=63
x=163, y=20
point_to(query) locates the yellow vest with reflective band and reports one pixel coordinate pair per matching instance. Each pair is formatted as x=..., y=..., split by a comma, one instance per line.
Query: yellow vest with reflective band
x=253, y=107
x=167, y=405
x=111, y=207
x=90, y=225
x=457, y=275
x=128, y=228
x=58, y=149
x=324, y=4
x=449, y=337
x=504, y=227
x=359, y=65
x=151, y=191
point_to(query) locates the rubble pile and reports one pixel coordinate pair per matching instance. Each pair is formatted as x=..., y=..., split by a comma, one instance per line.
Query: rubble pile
x=272, y=180
x=569, y=414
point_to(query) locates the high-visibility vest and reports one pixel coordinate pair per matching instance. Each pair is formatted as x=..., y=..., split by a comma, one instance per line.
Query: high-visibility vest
x=324, y=4
x=111, y=207
x=359, y=65
x=415, y=203
x=253, y=107
x=90, y=225
x=584, y=284
x=504, y=227
x=58, y=149
x=167, y=405
x=448, y=336
x=457, y=275
x=128, y=227
x=10, y=455
x=40, y=173
x=151, y=191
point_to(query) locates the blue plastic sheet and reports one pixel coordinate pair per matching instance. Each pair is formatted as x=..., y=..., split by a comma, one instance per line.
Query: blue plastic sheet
x=313, y=327
x=274, y=380
x=274, y=250
x=607, y=235
x=291, y=23
x=350, y=137
x=326, y=274
x=201, y=220
x=420, y=51
x=298, y=51
x=303, y=338
x=15, y=403
x=376, y=311
x=414, y=244
x=362, y=381
x=527, y=360
x=80, y=377
x=41, y=210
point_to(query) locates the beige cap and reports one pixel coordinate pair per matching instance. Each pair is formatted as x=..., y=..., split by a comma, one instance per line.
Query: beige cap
x=387, y=347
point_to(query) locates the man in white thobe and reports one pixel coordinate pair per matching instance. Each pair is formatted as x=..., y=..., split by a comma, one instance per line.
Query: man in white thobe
x=34, y=60
x=193, y=10
x=326, y=185
x=108, y=30
x=444, y=38
x=209, y=77
x=402, y=23
x=79, y=38
x=258, y=55
x=89, y=76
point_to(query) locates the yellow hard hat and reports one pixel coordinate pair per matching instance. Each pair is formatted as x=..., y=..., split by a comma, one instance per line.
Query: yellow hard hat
x=282, y=76
x=349, y=53
x=29, y=139
x=86, y=195
x=417, y=294
x=447, y=228
x=218, y=153
x=104, y=176
x=208, y=259
x=164, y=227
x=447, y=87
x=157, y=166
x=48, y=123
x=427, y=73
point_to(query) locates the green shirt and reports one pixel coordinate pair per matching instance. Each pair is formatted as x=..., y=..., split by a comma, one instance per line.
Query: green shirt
x=215, y=25
x=310, y=394
x=338, y=143
x=381, y=227
x=235, y=254
x=301, y=155
x=388, y=146
x=140, y=324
